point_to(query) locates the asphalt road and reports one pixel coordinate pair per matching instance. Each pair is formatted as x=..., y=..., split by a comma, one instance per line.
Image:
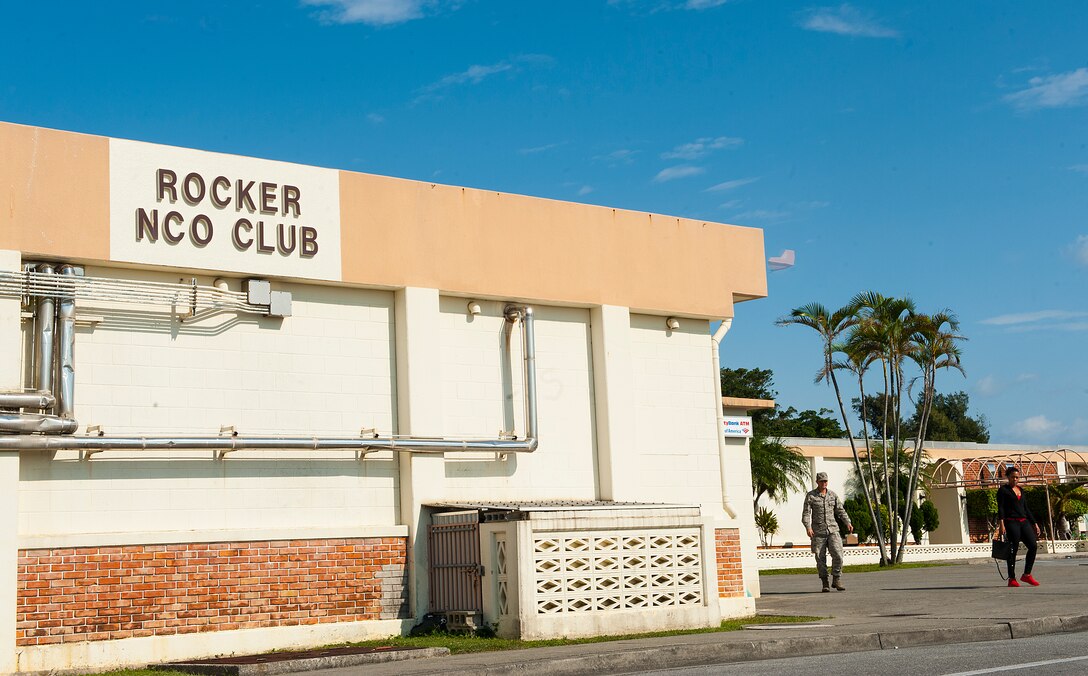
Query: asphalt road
x=1043, y=655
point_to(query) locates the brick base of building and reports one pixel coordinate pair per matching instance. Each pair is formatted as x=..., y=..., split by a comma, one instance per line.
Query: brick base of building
x=107, y=593
x=730, y=573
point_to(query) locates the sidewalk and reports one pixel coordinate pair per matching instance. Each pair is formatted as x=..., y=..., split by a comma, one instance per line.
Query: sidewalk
x=883, y=610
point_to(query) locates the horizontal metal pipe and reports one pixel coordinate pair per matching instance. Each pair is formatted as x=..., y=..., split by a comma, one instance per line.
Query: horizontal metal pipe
x=27, y=400
x=28, y=442
x=36, y=442
x=28, y=423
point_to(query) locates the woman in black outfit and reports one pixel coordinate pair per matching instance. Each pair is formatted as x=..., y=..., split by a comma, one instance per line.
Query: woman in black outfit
x=1016, y=521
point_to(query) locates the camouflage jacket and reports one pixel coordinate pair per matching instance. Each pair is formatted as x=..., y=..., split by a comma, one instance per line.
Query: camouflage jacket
x=820, y=512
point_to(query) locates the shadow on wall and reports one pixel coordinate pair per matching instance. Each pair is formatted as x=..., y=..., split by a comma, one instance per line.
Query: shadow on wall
x=123, y=466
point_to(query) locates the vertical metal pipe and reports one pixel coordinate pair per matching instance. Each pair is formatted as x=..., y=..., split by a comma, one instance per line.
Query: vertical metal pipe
x=528, y=338
x=66, y=340
x=44, y=320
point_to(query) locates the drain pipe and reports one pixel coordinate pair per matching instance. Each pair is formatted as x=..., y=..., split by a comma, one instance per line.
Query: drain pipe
x=45, y=320
x=66, y=341
x=719, y=415
x=528, y=348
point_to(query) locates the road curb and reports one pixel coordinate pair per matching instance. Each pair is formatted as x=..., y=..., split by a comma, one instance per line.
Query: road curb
x=269, y=668
x=687, y=655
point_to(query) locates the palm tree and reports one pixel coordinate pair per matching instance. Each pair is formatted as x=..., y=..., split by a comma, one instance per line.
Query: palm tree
x=777, y=469
x=889, y=325
x=934, y=349
x=830, y=326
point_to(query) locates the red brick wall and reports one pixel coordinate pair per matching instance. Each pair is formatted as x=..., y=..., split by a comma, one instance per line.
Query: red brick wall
x=100, y=593
x=727, y=549
x=972, y=471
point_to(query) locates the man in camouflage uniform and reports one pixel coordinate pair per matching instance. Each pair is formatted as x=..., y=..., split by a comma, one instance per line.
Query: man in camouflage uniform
x=821, y=515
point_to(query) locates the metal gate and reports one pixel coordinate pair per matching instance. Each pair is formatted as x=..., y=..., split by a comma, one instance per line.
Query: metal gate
x=453, y=541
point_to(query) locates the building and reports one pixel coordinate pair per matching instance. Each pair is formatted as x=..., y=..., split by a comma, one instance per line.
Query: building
x=955, y=467
x=251, y=405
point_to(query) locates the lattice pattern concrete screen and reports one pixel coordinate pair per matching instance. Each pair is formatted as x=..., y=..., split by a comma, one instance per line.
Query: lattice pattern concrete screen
x=617, y=570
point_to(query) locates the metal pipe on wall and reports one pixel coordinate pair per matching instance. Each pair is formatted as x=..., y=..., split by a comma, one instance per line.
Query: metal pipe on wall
x=45, y=319
x=66, y=341
x=38, y=400
x=28, y=423
x=54, y=442
x=719, y=416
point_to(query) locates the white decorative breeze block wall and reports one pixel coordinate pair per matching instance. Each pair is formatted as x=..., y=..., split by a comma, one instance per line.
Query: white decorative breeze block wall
x=565, y=464
x=327, y=369
x=675, y=417
x=617, y=570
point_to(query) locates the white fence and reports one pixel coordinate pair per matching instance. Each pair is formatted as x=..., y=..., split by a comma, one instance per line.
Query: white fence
x=801, y=557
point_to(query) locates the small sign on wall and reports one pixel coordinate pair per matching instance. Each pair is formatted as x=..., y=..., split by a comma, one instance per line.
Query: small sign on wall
x=737, y=426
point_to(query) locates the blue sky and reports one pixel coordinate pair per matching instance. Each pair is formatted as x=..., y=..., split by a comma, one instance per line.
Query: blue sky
x=937, y=150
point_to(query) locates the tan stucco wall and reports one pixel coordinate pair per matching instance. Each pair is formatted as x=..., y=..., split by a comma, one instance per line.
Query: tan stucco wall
x=395, y=233
x=473, y=242
x=54, y=193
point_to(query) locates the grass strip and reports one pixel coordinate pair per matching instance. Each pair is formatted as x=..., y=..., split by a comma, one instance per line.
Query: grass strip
x=461, y=644
x=859, y=568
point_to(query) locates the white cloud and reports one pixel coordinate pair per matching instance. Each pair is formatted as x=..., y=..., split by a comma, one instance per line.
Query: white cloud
x=655, y=6
x=1040, y=425
x=1081, y=168
x=585, y=190
x=476, y=73
x=1033, y=317
x=730, y=204
x=617, y=157
x=989, y=386
x=701, y=147
x=845, y=20
x=375, y=12
x=375, y=118
x=732, y=185
x=538, y=149
x=681, y=171
x=761, y=215
x=1053, y=91
x=1079, y=249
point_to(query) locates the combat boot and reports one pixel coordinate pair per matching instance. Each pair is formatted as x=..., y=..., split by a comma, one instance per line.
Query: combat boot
x=826, y=587
x=836, y=582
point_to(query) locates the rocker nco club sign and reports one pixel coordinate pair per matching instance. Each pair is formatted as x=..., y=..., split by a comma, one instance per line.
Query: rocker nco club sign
x=188, y=208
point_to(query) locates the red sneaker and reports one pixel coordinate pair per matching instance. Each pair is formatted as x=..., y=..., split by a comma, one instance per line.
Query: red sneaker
x=1013, y=582
x=1030, y=580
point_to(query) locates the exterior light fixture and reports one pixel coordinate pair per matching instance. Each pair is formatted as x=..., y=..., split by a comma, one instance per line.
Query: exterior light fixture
x=672, y=323
x=474, y=308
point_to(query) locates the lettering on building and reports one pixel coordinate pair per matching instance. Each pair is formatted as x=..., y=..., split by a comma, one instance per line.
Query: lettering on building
x=262, y=217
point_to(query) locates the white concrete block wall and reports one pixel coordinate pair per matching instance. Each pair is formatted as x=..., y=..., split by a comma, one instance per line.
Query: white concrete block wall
x=675, y=421
x=565, y=464
x=327, y=369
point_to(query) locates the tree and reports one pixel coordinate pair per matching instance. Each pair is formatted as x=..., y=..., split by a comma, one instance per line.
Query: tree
x=982, y=504
x=859, y=517
x=807, y=423
x=830, y=326
x=752, y=383
x=756, y=383
x=950, y=421
x=876, y=330
x=776, y=469
x=767, y=525
x=924, y=520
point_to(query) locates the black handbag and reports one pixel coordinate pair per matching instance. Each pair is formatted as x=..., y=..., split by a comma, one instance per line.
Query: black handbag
x=999, y=549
